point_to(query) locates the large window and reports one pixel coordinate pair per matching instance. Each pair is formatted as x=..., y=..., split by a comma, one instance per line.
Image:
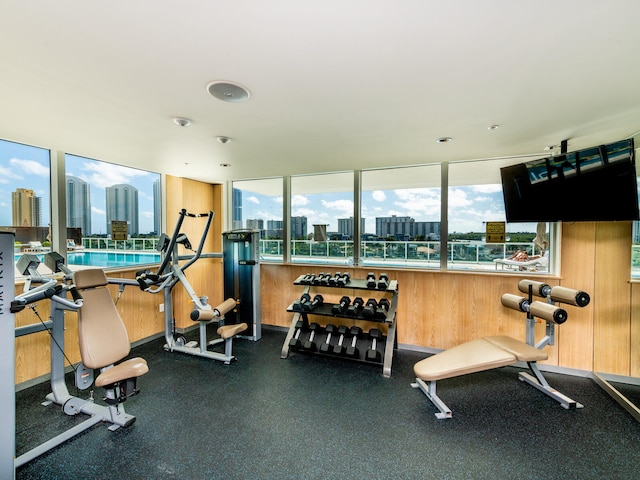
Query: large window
x=257, y=205
x=475, y=199
x=113, y=213
x=401, y=216
x=25, y=195
x=321, y=208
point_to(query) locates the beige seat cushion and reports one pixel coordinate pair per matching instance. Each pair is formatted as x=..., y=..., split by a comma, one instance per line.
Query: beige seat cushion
x=474, y=356
x=227, y=331
x=523, y=351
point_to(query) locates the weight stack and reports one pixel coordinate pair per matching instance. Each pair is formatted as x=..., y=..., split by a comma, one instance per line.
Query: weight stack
x=241, y=274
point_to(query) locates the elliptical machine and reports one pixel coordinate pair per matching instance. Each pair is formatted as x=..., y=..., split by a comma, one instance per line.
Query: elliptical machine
x=169, y=274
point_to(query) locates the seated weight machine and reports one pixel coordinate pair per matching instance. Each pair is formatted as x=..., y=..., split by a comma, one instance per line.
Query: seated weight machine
x=102, y=338
x=498, y=351
x=168, y=275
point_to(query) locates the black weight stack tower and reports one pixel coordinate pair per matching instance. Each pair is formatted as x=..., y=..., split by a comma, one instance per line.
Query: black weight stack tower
x=241, y=266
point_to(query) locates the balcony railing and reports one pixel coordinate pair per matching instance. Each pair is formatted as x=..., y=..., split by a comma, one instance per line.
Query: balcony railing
x=469, y=254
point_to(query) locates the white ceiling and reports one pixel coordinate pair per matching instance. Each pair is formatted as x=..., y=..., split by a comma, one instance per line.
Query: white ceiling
x=335, y=85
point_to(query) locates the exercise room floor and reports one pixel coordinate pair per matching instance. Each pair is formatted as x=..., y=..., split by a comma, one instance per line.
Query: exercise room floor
x=310, y=417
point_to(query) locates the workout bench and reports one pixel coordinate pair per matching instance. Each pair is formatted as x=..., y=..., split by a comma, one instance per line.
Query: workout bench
x=498, y=351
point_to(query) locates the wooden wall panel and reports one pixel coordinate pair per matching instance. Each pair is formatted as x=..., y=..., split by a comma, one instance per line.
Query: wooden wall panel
x=612, y=320
x=436, y=309
x=577, y=268
x=635, y=331
x=205, y=276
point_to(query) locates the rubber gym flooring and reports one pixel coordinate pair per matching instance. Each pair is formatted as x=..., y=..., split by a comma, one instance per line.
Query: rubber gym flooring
x=312, y=417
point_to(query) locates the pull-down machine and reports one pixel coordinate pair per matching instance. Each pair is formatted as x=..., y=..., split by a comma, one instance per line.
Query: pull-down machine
x=169, y=274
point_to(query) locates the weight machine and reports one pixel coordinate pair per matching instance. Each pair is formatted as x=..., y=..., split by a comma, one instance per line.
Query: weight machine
x=119, y=381
x=169, y=274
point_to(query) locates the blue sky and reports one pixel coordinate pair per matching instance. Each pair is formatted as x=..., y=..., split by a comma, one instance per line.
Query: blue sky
x=23, y=166
x=469, y=207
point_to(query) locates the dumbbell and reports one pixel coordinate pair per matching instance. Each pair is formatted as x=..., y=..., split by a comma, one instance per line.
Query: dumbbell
x=318, y=278
x=373, y=355
x=325, y=347
x=383, y=308
x=344, y=279
x=295, y=342
x=317, y=300
x=341, y=308
x=371, y=280
x=309, y=344
x=333, y=280
x=383, y=281
x=298, y=305
x=369, y=309
x=352, y=351
x=307, y=279
x=339, y=348
x=355, y=308
x=325, y=279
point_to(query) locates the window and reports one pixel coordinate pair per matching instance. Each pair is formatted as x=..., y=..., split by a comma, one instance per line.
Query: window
x=401, y=217
x=320, y=208
x=475, y=198
x=113, y=213
x=25, y=195
x=257, y=205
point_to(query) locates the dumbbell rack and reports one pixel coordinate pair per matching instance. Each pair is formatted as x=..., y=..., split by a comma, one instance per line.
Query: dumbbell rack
x=386, y=344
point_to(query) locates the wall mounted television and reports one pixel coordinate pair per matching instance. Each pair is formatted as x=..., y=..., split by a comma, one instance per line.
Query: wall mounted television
x=594, y=184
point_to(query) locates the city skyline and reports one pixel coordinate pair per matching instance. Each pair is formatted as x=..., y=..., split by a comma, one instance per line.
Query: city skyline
x=27, y=167
x=470, y=207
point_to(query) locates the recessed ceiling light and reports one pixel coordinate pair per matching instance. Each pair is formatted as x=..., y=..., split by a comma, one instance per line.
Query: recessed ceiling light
x=225, y=165
x=493, y=128
x=551, y=147
x=223, y=139
x=182, y=122
x=228, y=91
x=444, y=139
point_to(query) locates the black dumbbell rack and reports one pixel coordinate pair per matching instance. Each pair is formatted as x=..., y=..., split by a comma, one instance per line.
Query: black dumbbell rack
x=385, y=345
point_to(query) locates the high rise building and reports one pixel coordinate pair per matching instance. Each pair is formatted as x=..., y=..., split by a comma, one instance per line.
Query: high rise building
x=298, y=228
x=26, y=209
x=236, y=219
x=78, y=204
x=345, y=227
x=122, y=205
x=157, y=211
x=405, y=228
x=274, y=229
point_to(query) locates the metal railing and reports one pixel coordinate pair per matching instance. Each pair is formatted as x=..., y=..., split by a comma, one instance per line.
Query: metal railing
x=414, y=253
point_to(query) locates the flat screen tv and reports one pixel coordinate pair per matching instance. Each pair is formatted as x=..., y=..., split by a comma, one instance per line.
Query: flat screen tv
x=594, y=184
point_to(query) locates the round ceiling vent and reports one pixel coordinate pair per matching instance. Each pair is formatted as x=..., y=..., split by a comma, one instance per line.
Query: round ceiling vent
x=228, y=91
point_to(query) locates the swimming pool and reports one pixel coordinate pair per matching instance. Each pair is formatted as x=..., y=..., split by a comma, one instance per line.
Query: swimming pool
x=107, y=259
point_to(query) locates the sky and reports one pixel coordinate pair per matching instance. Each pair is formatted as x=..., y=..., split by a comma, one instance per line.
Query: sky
x=23, y=166
x=469, y=207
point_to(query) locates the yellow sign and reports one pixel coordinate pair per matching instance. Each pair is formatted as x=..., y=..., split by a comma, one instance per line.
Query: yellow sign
x=118, y=230
x=496, y=232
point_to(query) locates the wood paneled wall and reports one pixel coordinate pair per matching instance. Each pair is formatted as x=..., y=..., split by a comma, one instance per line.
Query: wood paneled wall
x=435, y=309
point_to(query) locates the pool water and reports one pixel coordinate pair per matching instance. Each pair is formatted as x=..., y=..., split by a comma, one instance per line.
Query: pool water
x=107, y=259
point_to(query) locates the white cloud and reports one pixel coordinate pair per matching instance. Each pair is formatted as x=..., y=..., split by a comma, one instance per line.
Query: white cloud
x=488, y=188
x=299, y=200
x=8, y=175
x=379, y=196
x=302, y=212
x=343, y=207
x=30, y=167
x=102, y=175
x=253, y=199
x=98, y=211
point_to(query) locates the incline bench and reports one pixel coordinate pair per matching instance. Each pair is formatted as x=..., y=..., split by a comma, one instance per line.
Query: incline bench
x=498, y=351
